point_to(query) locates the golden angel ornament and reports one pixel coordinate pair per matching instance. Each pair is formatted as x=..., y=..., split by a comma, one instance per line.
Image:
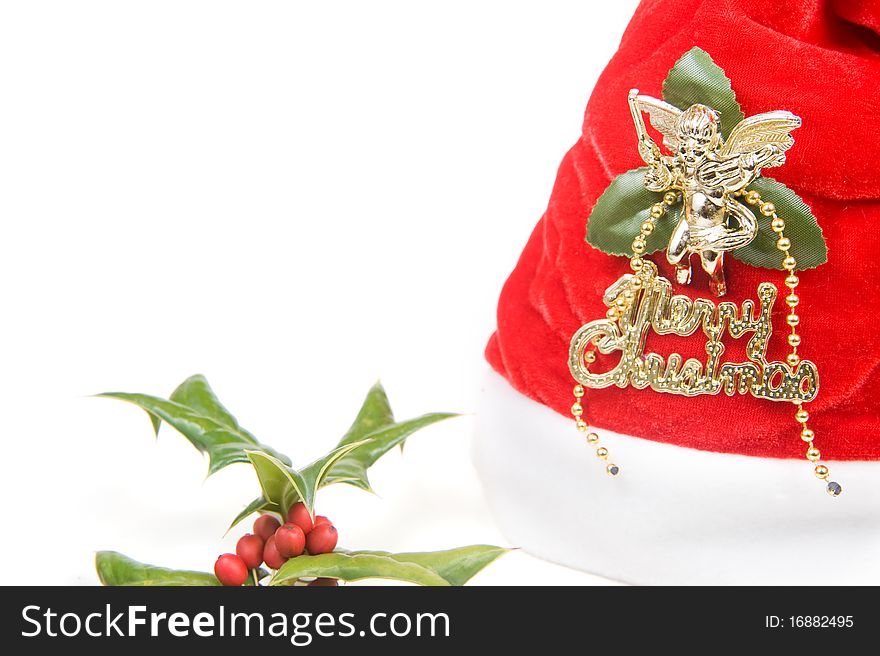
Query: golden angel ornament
x=708, y=171
x=696, y=195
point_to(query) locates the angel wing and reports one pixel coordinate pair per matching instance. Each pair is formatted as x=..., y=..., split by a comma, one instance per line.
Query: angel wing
x=753, y=133
x=663, y=118
x=724, y=172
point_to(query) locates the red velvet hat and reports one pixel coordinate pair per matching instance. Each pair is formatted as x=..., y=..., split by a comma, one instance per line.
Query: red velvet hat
x=818, y=59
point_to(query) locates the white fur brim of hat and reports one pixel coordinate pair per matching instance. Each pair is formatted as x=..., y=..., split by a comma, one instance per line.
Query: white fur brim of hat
x=673, y=515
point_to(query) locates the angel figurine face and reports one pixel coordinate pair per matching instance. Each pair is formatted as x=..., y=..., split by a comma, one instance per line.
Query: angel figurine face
x=708, y=171
x=697, y=135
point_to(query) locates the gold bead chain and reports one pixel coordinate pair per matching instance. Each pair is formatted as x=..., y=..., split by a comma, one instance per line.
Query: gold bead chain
x=789, y=263
x=577, y=411
x=639, y=245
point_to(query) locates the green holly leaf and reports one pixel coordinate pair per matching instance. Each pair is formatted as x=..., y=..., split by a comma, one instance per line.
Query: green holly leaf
x=196, y=393
x=195, y=412
x=807, y=242
x=375, y=413
x=115, y=569
x=456, y=566
x=695, y=78
x=283, y=486
x=375, y=426
x=258, y=505
x=620, y=211
x=352, y=468
x=434, y=568
x=374, y=430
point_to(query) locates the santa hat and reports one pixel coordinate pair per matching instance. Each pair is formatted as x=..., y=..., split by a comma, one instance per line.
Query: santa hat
x=713, y=488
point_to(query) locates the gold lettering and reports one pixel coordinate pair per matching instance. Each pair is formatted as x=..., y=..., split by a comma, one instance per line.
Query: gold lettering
x=655, y=308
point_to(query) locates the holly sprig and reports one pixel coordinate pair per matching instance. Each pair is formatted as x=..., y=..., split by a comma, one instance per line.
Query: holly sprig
x=195, y=412
x=626, y=204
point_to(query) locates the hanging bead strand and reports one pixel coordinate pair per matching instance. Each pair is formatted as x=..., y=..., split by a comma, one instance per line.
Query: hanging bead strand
x=577, y=411
x=792, y=300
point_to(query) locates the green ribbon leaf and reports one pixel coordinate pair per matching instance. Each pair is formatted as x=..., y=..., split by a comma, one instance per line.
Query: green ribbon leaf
x=115, y=569
x=195, y=412
x=435, y=568
x=807, y=242
x=620, y=211
x=695, y=78
x=626, y=204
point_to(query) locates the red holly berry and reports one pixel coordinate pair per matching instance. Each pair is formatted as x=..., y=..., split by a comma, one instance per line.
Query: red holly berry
x=320, y=519
x=265, y=526
x=290, y=541
x=250, y=550
x=299, y=515
x=318, y=583
x=230, y=570
x=271, y=556
x=322, y=539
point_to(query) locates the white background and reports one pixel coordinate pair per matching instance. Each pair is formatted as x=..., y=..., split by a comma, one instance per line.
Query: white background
x=292, y=198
